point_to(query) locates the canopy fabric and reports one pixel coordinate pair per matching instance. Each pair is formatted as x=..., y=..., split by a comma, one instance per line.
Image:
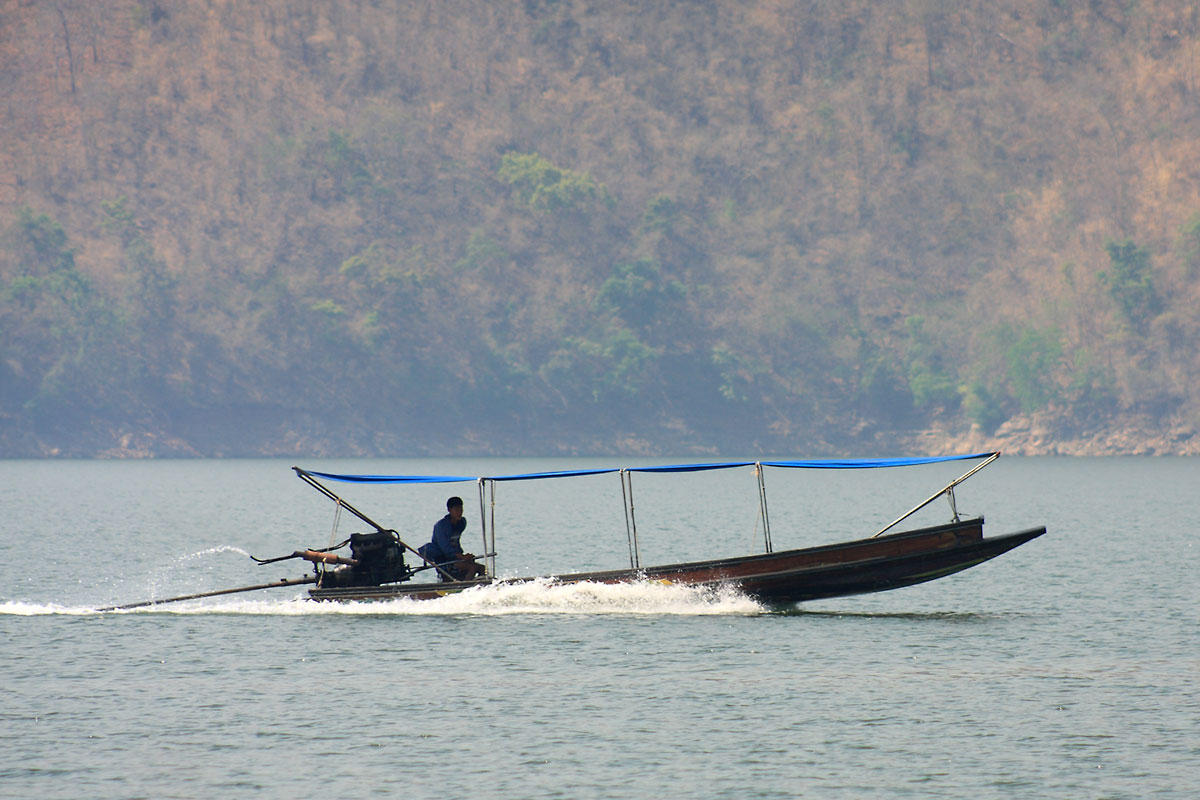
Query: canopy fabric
x=871, y=463
x=833, y=463
x=569, y=473
x=389, y=478
x=691, y=467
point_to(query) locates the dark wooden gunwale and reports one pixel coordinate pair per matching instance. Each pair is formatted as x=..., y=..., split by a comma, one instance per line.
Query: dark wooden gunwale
x=833, y=570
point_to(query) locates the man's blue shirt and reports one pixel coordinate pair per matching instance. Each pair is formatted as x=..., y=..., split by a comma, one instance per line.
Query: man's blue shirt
x=445, y=545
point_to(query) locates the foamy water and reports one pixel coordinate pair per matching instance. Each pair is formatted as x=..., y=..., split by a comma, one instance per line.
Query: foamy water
x=542, y=596
x=17, y=608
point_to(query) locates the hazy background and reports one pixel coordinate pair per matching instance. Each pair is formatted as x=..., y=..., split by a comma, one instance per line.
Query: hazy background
x=402, y=228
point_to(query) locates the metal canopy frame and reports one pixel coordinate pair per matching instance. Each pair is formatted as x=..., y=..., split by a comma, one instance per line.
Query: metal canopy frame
x=487, y=493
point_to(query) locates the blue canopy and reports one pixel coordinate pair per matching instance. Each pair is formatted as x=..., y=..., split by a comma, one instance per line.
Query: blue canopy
x=871, y=463
x=831, y=463
x=388, y=478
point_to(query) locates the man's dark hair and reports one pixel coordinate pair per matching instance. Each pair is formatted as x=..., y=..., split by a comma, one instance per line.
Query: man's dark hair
x=452, y=502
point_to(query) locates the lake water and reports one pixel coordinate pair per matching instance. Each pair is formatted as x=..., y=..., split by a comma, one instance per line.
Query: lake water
x=1068, y=668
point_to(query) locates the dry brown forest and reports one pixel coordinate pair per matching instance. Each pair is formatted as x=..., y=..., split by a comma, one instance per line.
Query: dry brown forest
x=236, y=227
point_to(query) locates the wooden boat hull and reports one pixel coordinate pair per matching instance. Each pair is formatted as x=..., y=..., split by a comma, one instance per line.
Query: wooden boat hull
x=791, y=576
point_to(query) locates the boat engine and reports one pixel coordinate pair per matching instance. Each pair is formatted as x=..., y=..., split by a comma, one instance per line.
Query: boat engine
x=378, y=558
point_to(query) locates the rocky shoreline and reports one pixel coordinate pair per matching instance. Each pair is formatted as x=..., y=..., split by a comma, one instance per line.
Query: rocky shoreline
x=1049, y=434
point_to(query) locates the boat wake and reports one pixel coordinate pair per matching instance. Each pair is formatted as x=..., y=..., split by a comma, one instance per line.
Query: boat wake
x=546, y=596
x=542, y=596
x=20, y=608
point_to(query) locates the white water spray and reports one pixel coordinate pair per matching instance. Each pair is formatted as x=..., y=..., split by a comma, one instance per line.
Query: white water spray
x=542, y=596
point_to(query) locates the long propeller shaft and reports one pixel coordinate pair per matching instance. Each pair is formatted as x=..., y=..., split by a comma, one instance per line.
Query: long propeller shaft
x=256, y=587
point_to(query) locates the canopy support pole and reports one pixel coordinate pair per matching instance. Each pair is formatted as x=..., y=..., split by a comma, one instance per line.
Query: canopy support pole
x=762, y=505
x=635, y=556
x=483, y=524
x=947, y=490
x=488, y=522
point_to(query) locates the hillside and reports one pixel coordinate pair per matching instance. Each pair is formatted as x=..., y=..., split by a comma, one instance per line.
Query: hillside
x=401, y=228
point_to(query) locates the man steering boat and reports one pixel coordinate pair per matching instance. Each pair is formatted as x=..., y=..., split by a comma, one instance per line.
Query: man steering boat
x=445, y=548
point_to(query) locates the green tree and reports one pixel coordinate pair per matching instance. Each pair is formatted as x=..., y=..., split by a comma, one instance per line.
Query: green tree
x=614, y=366
x=639, y=293
x=381, y=289
x=41, y=244
x=734, y=373
x=543, y=187
x=1189, y=246
x=346, y=163
x=661, y=215
x=482, y=251
x=882, y=391
x=60, y=331
x=931, y=381
x=1033, y=357
x=154, y=302
x=983, y=406
x=1130, y=281
x=1090, y=387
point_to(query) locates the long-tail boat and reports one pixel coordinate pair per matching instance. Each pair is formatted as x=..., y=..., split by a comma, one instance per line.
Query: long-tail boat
x=377, y=566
